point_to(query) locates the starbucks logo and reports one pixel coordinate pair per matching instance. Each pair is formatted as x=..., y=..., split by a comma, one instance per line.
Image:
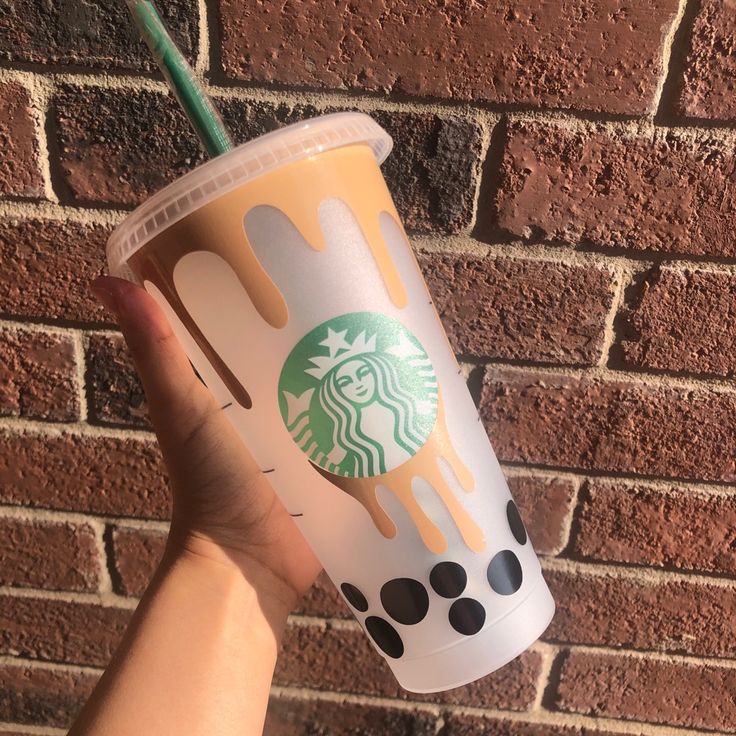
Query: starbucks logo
x=358, y=395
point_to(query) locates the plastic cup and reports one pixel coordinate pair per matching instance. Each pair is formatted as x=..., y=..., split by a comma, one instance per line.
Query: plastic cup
x=286, y=274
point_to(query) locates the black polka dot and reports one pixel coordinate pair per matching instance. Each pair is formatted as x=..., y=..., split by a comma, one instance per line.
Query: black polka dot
x=448, y=579
x=504, y=572
x=405, y=600
x=355, y=598
x=515, y=522
x=385, y=636
x=467, y=616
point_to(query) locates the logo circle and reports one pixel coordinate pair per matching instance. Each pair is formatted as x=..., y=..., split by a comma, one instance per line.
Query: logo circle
x=358, y=395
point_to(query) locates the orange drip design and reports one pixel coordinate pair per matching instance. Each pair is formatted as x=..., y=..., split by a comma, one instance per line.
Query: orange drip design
x=424, y=464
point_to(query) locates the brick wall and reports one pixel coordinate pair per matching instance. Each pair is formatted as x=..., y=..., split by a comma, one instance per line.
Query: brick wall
x=567, y=171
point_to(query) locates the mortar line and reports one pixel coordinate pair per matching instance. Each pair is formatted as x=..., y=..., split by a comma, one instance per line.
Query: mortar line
x=487, y=124
x=24, y=728
x=55, y=211
x=43, y=664
x=81, y=370
x=201, y=65
x=40, y=91
x=548, y=654
x=690, y=660
x=667, y=46
x=59, y=429
x=104, y=599
x=569, y=516
x=609, y=333
x=105, y=586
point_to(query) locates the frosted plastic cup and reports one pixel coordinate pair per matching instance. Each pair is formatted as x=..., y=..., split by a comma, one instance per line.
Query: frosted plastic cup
x=286, y=274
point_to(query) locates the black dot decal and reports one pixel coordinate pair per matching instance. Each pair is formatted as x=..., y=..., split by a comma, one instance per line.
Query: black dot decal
x=355, y=598
x=467, y=616
x=448, y=579
x=515, y=522
x=405, y=600
x=385, y=636
x=504, y=573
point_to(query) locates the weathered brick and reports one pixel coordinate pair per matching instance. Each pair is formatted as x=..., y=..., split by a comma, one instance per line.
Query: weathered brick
x=322, y=599
x=344, y=661
x=100, y=35
x=676, y=693
x=292, y=717
x=594, y=56
x=684, y=321
x=664, y=191
x=545, y=505
x=60, y=631
x=103, y=475
x=520, y=309
x=472, y=725
x=708, y=89
x=638, y=524
x=47, y=268
x=19, y=171
x=669, y=615
x=115, y=393
x=621, y=426
x=43, y=697
x=145, y=142
x=46, y=554
x=136, y=554
x=38, y=375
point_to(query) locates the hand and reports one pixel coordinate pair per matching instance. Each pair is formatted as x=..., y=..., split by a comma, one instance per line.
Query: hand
x=224, y=507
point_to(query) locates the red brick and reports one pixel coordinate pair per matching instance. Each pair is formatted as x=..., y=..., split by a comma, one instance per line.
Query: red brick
x=47, y=268
x=50, y=629
x=620, y=426
x=474, y=725
x=676, y=693
x=99, y=35
x=136, y=554
x=638, y=524
x=38, y=376
x=292, y=717
x=42, y=697
x=708, y=89
x=668, y=615
x=51, y=555
x=602, y=56
x=590, y=185
x=344, y=661
x=520, y=310
x=115, y=393
x=545, y=505
x=324, y=600
x=103, y=475
x=684, y=321
x=19, y=172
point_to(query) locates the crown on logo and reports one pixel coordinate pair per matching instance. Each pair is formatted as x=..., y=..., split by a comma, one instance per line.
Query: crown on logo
x=340, y=350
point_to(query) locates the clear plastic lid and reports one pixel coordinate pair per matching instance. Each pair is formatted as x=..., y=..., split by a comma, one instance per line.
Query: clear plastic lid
x=242, y=164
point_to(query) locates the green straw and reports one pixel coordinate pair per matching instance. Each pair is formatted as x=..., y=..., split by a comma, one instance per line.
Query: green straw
x=198, y=107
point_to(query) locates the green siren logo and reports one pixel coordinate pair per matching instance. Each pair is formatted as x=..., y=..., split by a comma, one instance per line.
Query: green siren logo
x=358, y=395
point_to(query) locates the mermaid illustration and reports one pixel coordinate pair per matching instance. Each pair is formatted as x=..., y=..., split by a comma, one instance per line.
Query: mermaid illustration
x=369, y=410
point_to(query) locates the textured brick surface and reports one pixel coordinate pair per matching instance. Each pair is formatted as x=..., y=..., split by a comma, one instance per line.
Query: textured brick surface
x=669, y=615
x=595, y=56
x=322, y=599
x=38, y=375
x=19, y=169
x=685, y=321
x=291, y=717
x=708, y=88
x=98, y=35
x=136, y=554
x=114, y=391
x=43, y=697
x=47, y=267
x=98, y=474
x=668, y=193
x=617, y=426
x=472, y=725
x=676, y=693
x=520, y=310
x=545, y=505
x=59, y=631
x=638, y=524
x=51, y=555
x=345, y=661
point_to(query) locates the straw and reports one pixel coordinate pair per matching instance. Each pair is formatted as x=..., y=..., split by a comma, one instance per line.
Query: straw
x=202, y=114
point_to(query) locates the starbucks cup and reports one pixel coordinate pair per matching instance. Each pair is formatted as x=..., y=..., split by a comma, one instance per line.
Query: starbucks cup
x=286, y=274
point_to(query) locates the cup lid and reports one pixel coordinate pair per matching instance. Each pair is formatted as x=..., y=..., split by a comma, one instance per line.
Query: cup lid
x=230, y=170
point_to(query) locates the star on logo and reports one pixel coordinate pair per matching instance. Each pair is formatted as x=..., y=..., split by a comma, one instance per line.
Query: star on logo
x=335, y=341
x=405, y=348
